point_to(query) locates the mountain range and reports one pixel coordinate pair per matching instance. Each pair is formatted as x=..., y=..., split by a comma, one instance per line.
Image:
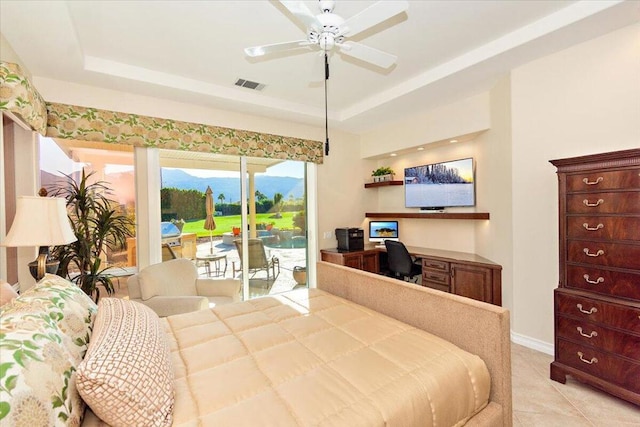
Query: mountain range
x=230, y=186
x=123, y=185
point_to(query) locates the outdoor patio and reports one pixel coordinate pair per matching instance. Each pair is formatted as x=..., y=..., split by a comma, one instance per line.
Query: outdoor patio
x=258, y=283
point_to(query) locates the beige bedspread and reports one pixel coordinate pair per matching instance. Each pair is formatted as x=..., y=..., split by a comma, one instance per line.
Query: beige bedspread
x=310, y=358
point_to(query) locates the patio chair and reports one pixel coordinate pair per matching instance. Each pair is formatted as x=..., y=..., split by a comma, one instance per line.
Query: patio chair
x=258, y=260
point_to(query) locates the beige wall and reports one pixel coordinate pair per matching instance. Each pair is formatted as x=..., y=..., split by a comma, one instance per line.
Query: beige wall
x=427, y=129
x=494, y=239
x=583, y=100
x=8, y=54
x=464, y=117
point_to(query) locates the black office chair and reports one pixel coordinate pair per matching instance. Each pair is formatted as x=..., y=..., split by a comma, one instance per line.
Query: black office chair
x=401, y=264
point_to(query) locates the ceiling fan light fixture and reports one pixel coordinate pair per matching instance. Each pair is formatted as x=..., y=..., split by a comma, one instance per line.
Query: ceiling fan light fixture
x=327, y=42
x=327, y=30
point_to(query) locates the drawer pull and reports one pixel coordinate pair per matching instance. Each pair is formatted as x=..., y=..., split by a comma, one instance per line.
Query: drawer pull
x=591, y=205
x=591, y=311
x=589, y=362
x=596, y=228
x=593, y=282
x=591, y=335
x=597, y=181
x=587, y=253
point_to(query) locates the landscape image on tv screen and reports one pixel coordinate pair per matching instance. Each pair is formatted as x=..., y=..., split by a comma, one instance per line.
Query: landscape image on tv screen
x=383, y=229
x=443, y=184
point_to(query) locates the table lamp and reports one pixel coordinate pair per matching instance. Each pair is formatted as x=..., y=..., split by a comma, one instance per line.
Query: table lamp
x=43, y=222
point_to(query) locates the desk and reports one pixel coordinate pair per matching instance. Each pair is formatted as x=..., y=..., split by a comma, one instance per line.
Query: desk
x=215, y=258
x=460, y=273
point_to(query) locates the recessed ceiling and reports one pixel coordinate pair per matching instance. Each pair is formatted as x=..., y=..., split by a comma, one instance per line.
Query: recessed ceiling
x=192, y=51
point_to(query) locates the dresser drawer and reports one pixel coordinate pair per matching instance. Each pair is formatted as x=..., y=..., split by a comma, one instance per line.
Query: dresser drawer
x=576, y=305
x=603, y=227
x=598, y=181
x=618, y=370
x=599, y=337
x=605, y=282
x=435, y=264
x=439, y=277
x=623, y=202
x=604, y=254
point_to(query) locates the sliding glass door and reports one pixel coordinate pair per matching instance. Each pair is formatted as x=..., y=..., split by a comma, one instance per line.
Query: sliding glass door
x=211, y=207
x=252, y=229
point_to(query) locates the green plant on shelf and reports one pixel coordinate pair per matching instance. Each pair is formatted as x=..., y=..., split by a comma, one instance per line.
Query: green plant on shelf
x=383, y=173
x=383, y=170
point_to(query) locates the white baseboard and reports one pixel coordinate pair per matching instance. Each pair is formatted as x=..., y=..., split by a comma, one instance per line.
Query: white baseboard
x=532, y=343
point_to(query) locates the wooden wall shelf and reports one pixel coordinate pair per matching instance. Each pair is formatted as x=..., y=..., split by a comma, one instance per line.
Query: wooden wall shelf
x=382, y=184
x=436, y=215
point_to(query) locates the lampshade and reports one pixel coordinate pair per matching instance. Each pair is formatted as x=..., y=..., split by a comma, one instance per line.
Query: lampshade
x=40, y=221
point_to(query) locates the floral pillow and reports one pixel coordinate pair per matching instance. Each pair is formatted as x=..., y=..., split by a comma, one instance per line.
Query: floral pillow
x=66, y=305
x=44, y=334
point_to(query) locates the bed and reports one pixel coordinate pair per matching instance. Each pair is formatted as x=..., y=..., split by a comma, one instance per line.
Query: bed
x=360, y=349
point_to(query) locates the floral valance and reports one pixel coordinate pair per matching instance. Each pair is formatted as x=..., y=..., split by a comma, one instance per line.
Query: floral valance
x=18, y=96
x=92, y=124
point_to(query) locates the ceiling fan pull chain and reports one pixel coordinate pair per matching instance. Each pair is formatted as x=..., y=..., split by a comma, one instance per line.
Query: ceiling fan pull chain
x=326, y=112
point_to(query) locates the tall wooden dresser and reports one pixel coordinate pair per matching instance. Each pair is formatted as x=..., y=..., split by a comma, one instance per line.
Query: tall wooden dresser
x=597, y=302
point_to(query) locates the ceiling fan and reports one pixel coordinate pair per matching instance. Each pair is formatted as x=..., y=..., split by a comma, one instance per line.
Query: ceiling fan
x=327, y=31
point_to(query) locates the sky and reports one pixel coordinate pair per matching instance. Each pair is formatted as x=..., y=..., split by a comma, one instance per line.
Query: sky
x=287, y=168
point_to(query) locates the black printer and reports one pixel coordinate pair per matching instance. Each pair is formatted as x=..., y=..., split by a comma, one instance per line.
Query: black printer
x=350, y=239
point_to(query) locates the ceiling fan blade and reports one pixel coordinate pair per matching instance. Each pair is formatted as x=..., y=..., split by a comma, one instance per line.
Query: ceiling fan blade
x=302, y=14
x=373, y=15
x=368, y=54
x=277, y=47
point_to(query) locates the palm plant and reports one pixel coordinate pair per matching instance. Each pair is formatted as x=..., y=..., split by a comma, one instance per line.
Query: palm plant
x=99, y=226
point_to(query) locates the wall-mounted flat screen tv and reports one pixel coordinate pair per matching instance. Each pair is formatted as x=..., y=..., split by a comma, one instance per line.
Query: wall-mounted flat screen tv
x=440, y=185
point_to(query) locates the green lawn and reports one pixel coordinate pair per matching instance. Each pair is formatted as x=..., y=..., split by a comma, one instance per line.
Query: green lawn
x=225, y=223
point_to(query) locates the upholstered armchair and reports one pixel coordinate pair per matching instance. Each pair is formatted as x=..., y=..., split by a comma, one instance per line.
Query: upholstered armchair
x=173, y=287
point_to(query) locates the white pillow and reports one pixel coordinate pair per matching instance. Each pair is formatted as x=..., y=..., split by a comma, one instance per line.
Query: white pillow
x=126, y=377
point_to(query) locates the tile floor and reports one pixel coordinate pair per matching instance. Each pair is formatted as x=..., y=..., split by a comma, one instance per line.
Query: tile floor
x=539, y=401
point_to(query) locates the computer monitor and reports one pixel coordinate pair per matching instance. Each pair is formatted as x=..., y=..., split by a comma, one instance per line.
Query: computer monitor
x=379, y=231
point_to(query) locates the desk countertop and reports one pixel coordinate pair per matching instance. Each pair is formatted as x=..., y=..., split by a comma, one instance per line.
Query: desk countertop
x=427, y=252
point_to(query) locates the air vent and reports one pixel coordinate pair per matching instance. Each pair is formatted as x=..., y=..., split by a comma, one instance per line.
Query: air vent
x=249, y=84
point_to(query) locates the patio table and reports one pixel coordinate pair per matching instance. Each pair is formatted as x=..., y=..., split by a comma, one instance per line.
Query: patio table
x=215, y=259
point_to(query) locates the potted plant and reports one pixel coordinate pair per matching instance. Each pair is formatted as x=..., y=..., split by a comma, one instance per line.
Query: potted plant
x=383, y=173
x=98, y=225
x=300, y=275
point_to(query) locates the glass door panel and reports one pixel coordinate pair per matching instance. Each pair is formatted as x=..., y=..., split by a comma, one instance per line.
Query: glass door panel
x=277, y=225
x=271, y=225
x=201, y=196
